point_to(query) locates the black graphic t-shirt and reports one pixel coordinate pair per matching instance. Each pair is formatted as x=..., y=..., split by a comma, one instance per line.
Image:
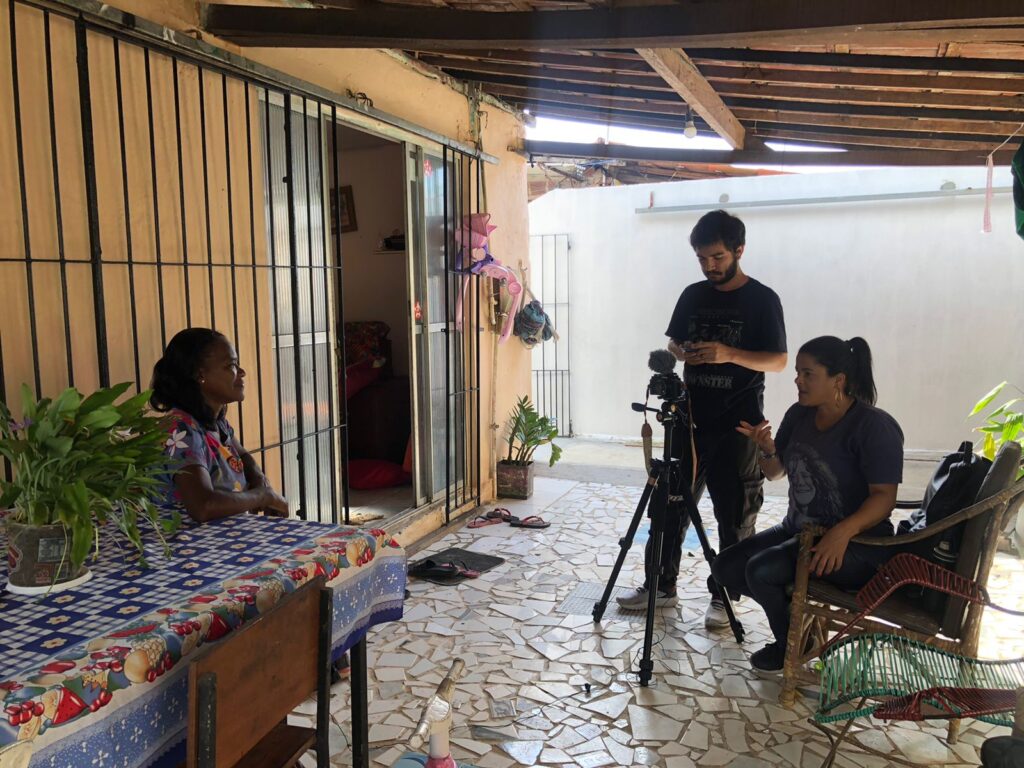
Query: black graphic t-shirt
x=829, y=472
x=748, y=318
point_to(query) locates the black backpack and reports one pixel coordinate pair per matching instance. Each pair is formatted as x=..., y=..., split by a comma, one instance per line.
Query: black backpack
x=953, y=487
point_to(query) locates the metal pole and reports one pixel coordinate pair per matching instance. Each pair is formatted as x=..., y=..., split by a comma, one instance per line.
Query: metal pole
x=92, y=204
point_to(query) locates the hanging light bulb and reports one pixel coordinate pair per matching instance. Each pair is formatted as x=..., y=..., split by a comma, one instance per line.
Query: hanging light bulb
x=689, y=130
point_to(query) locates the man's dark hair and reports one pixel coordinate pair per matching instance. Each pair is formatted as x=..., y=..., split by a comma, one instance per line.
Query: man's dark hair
x=718, y=227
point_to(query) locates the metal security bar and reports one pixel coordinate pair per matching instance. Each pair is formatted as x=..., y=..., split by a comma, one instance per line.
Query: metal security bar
x=157, y=191
x=160, y=189
x=463, y=195
x=552, y=384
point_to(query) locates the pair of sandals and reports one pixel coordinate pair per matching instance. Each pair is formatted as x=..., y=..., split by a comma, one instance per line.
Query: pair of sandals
x=502, y=515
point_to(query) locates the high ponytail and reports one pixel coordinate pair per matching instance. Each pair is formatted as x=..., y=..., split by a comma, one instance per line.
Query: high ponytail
x=852, y=358
x=861, y=384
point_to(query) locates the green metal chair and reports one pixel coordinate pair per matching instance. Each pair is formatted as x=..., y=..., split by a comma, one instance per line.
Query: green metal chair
x=893, y=677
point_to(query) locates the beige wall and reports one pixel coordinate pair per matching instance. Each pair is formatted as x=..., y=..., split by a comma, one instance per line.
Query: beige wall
x=393, y=86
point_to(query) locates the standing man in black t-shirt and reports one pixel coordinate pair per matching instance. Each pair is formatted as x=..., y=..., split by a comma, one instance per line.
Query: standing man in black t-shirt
x=729, y=332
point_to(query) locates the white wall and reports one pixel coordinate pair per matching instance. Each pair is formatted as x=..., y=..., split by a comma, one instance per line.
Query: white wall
x=375, y=283
x=939, y=302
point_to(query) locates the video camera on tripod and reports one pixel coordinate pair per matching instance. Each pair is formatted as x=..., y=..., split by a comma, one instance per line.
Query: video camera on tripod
x=667, y=492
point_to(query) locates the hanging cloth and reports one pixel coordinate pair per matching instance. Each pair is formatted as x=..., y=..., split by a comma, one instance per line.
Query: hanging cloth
x=986, y=225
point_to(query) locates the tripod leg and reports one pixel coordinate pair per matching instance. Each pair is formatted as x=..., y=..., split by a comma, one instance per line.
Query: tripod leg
x=710, y=555
x=659, y=509
x=625, y=543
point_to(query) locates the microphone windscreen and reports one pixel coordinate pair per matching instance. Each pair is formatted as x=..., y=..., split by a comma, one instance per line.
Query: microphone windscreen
x=661, y=361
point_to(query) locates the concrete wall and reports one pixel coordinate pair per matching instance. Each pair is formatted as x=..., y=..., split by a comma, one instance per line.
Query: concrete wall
x=939, y=302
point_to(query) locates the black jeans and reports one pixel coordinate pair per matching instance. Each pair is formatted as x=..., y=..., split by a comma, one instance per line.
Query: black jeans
x=764, y=566
x=727, y=467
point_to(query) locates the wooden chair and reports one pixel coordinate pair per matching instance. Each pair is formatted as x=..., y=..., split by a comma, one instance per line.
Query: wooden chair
x=819, y=609
x=242, y=689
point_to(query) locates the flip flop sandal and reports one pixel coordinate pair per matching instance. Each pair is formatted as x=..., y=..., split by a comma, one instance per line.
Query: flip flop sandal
x=529, y=522
x=482, y=521
x=500, y=514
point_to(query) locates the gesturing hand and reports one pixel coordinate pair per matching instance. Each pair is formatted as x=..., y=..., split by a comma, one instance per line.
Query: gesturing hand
x=760, y=434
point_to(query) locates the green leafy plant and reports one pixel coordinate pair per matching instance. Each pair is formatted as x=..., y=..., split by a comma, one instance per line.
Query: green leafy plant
x=527, y=431
x=84, y=463
x=1002, y=424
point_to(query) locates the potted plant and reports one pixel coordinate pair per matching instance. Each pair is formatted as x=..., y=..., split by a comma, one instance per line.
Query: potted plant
x=78, y=464
x=527, y=431
x=1003, y=424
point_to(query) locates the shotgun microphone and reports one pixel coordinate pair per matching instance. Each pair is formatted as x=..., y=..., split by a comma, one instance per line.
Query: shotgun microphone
x=661, y=361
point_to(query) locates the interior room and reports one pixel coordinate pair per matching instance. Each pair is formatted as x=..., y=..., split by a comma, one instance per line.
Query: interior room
x=372, y=219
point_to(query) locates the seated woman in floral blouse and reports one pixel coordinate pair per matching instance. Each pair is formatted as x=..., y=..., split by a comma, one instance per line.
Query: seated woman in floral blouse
x=194, y=382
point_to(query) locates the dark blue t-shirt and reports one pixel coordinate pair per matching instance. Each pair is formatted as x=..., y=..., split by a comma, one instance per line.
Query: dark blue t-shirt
x=748, y=318
x=829, y=472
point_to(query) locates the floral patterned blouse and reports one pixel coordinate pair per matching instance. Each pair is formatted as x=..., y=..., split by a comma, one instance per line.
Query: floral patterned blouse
x=189, y=444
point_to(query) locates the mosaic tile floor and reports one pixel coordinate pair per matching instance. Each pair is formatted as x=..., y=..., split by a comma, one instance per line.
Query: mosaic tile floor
x=523, y=701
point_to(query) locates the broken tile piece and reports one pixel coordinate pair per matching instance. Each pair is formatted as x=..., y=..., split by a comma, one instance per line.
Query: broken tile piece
x=648, y=725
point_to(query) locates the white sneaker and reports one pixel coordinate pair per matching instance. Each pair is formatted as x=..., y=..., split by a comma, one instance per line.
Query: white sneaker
x=637, y=600
x=715, y=617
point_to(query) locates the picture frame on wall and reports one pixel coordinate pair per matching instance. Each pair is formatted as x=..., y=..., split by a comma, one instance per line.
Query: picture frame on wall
x=342, y=201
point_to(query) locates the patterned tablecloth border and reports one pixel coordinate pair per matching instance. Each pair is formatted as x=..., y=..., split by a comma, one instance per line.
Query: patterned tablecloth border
x=60, y=695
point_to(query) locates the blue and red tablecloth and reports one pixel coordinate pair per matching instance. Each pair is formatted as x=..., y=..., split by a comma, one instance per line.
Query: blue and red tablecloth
x=92, y=675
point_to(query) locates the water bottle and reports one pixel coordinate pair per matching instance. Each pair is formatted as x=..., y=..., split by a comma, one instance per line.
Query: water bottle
x=935, y=601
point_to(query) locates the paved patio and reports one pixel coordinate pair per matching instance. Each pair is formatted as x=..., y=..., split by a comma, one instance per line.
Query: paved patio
x=523, y=701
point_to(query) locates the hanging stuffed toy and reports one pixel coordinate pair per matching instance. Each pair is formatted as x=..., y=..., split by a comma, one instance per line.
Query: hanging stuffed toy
x=473, y=235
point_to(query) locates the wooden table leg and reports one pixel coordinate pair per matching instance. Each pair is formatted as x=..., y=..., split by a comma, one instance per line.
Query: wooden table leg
x=360, y=715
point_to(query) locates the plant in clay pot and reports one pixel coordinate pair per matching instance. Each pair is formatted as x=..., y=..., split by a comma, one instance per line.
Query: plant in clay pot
x=527, y=431
x=78, y=464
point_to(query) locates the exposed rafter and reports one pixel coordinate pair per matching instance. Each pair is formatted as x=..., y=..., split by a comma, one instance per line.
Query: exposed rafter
x=684, y=78
x=565, y=150
x=722, y=23
x=785, y=85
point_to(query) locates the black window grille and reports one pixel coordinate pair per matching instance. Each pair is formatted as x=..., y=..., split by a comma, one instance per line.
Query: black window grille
x=157, y=190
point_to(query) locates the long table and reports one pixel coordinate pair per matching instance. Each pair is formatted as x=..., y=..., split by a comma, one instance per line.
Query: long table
x=92, y=676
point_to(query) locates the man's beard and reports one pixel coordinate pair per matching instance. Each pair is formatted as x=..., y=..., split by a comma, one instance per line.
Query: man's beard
x=728, y=275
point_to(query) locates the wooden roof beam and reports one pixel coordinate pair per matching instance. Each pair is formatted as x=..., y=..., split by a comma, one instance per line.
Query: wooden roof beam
x=914, y=91
x=684, y=78
x=856, y=61
x=721, y=23
x=752, y=107
x=637, y=72
x=893, y=157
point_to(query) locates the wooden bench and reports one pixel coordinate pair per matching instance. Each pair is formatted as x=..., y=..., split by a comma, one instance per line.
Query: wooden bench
x=242, y=689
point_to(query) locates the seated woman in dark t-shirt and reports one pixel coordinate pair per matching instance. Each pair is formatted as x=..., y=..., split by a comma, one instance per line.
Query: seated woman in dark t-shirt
x=844, y=460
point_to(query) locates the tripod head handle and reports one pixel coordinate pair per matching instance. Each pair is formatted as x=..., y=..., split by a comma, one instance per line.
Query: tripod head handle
x=641, y=407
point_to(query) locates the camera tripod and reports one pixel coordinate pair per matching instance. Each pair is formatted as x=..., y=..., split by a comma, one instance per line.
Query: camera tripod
x=657, y=499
